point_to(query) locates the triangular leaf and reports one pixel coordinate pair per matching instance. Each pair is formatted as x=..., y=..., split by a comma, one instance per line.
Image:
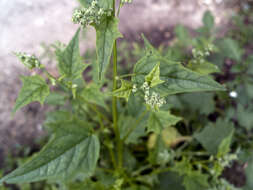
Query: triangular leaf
x=212, y=136
x=70, y=64
x=106, y=33
x=153, y=78
x=72, y=149
x=224, y=146
x=148, y=46
x=34, y=88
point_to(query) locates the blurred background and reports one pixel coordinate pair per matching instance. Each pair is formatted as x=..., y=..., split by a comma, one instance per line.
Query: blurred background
x=35, y=27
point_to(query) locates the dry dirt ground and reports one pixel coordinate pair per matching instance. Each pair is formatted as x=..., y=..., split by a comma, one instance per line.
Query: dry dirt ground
x=24, y=24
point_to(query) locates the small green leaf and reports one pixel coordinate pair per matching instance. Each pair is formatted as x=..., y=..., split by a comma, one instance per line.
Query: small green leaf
x=212, y=136
x=92, y=94
x=124, y=91
x=73, y=149
x=204, y=68
x=55, y=98
x=148, y=46
x=224, y=146
x=106, y=33
x=71, y=64
x=196, y=181
x=34, y=88
x=153, y=78
x=208, y=21
x=159, y=120
x=230, y=48
x=244, y=116
x=183, y=36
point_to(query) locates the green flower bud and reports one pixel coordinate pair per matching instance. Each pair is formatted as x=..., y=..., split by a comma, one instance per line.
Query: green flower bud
x=30, y=61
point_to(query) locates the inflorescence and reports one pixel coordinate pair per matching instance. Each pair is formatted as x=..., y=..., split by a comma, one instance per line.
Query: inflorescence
x=30, y=61
x=126, y=1
x=91, y=15
x=199, y=55
x=153, y=100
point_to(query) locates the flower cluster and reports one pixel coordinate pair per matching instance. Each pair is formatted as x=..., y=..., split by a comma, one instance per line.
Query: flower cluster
x=199, y=55
x=91, y=15
x=126, y=1
x=154, y=100
x=30, y=61
x=227, y=159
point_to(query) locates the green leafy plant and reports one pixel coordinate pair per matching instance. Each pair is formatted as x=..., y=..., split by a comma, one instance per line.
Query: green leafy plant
x=147, y=129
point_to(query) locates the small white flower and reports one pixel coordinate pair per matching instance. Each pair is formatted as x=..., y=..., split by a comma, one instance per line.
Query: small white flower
x=74, y=86
x=134, y=88
x=233, y=94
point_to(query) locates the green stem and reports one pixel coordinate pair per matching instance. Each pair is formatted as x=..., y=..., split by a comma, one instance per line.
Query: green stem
x=126, y=75
x=114, y=108
x=114, y=104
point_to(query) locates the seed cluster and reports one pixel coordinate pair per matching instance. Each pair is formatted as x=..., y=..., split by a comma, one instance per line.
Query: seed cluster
x=91, y=15
x=153, y=100
x=30, y=61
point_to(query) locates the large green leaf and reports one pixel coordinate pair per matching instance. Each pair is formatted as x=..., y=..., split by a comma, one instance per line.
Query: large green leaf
x=159, y=120
x=71, y=64
x=34, y=88
x=106, y=33
x=177, y=79
x=212, y=136
x=72, y=149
